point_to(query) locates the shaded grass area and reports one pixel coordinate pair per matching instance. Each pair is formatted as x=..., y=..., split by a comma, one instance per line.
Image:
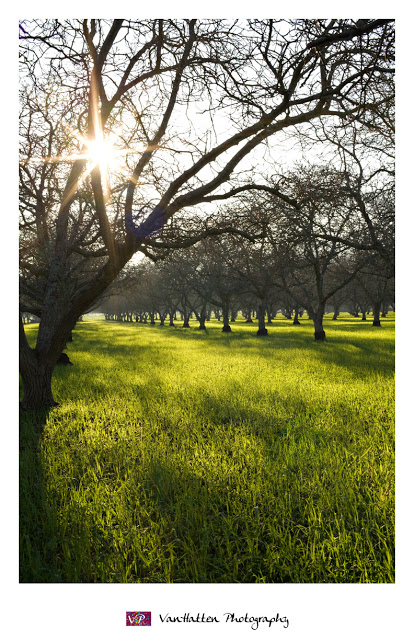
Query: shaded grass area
x=185, y=456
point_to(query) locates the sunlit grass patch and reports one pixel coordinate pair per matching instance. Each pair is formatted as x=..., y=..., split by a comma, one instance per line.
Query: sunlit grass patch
x=184, y=456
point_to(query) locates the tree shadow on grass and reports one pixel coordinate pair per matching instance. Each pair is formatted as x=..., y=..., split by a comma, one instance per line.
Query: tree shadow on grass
x=207, y=526
x=177, y=524
x=37, y=521
x=164, y=517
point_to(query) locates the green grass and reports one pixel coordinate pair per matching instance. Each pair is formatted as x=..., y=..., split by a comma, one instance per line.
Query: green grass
x=184, y=456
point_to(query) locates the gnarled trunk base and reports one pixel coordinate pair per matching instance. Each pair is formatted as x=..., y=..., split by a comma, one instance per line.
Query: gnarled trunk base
x=37, y=387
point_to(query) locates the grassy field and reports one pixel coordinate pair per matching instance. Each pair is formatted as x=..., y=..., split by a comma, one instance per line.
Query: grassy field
x=185, y=456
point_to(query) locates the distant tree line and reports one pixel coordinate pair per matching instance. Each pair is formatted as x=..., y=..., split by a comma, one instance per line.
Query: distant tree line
x=308, y=252
x=167, y=293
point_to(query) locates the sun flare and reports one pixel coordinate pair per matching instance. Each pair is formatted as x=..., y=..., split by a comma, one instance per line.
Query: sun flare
x=108, y=157
x=108, y=154
x=104, y=154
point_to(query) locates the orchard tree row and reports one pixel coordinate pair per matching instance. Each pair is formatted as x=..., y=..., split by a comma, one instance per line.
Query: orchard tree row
x=169, y=291
x=300, y=253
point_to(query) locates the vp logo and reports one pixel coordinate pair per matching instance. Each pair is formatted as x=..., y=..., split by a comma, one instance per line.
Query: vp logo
x=138, y=618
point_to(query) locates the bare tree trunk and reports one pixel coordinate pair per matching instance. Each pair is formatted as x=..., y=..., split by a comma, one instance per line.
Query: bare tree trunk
x=269, y=315
x=226, y=325
x=296, y=318
x=37, y=385
x=201, y=317
x=60, y=314
x=336, y=313
x=262, y=331
x=249, y=315
x=317, y=317
x=319, y=330
x=36, y=370
x=376, y=311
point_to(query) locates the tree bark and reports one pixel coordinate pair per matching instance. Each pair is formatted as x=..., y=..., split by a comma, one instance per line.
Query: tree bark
x=376, y=311
x=226, y=325
x=249, y=315
x=201, y=317
x=317, y=318
x=296, y=318
x=37, y=386
x=36, y=372
x=262, y=331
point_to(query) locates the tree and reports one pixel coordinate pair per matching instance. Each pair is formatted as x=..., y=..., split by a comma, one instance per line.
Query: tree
x=114, y=157
x=311, y=268
x=252, y=263
x=222, y=285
